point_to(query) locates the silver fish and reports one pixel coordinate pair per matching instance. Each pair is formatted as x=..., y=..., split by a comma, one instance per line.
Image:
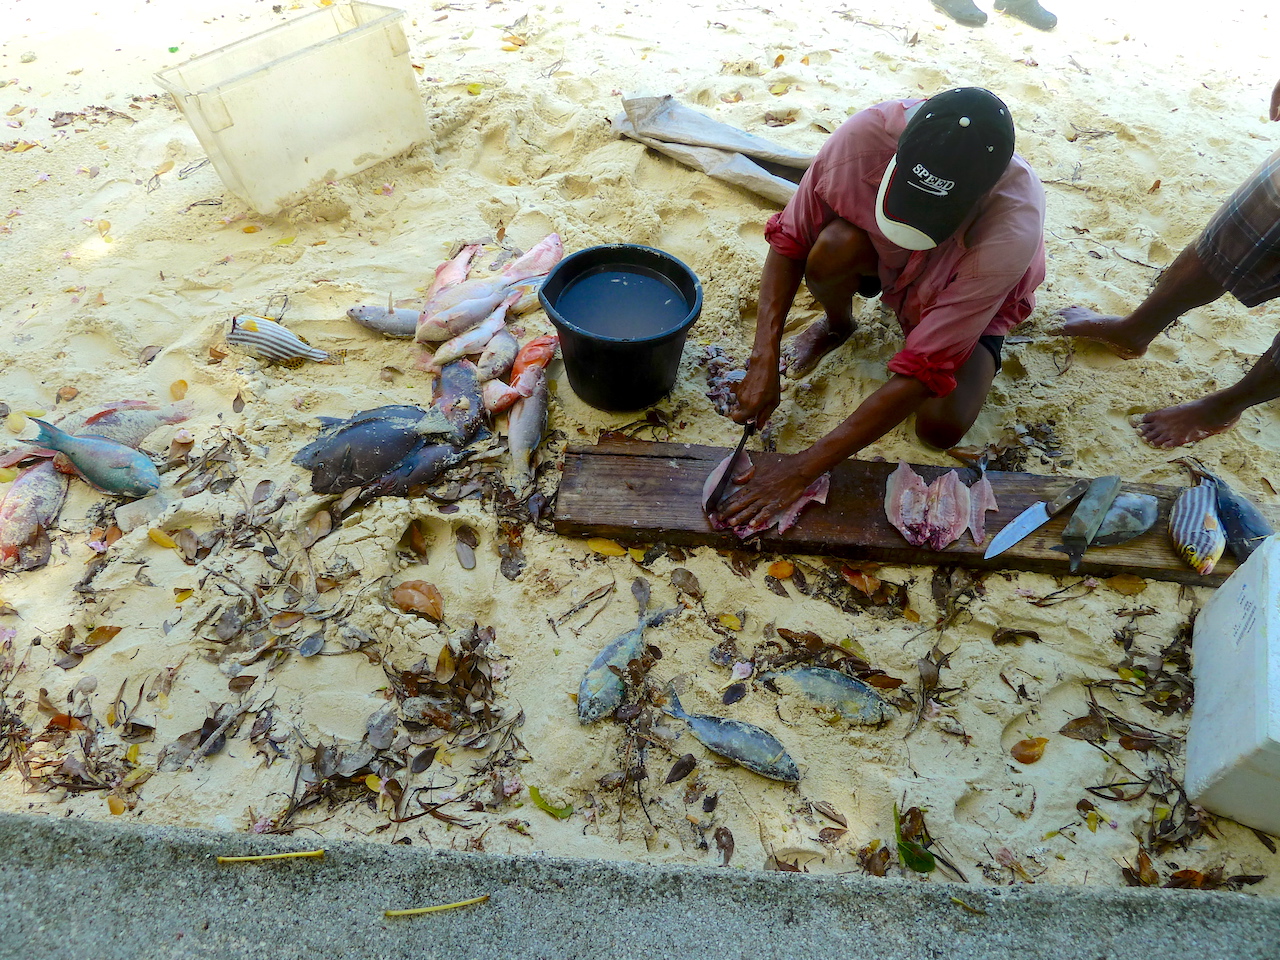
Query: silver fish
x=526, y=424
x=498, y=356
x=1195, y=527
x=27, y=512
x=744, y=743
x=268, y=340
x=601, y=690
x=388, y=321
x=854, y=700
x=109, y=466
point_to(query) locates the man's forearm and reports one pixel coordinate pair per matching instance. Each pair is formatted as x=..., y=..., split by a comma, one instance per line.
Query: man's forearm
x=778, y=285
x=879, y=413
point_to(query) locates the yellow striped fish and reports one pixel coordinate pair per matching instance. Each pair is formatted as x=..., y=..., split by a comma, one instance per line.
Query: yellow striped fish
x=1196, y=528
x=268, y=340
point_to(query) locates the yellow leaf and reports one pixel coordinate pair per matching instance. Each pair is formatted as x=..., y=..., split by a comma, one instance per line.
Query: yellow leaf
x=1091, y=821
x=781, y=569
x=16, y=109
x=778, y=89
x=373, y=783
x=16, y=422
x=509, y=46
x=284, y=241
x=164, y=167
x=103, y=227
x=777, y=61
x=606, y=548
x=251, y=228
x=474, y=89
x=637, y=554
x=178, y=389
x=515, y=41
x=133, y=753
x=179, y=595
x=111, y=716
x=7, y=474
x=162, y=538
x=34, y=412
x=115, y=805
x=1127, y=584
x=805, y=60
x=23, y=146
x=730, y=621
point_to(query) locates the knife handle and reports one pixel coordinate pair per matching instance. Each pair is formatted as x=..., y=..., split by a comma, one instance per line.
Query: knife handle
x=1067, y=497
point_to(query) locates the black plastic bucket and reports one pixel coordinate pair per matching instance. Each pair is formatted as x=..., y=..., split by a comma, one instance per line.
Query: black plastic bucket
x=623, y=312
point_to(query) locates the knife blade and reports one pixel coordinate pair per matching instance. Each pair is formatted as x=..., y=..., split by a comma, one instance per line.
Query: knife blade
x=1033, y=518
x=713, y=504
x=1084, y=523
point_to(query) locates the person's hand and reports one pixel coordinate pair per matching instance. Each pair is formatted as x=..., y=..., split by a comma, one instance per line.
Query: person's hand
x=758, y=394
x=775, y=486
x=1275, y=102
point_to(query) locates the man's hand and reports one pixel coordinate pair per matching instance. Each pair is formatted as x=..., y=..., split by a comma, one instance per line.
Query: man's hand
x=775, y=486
x=1275, y=103
x=758, y=394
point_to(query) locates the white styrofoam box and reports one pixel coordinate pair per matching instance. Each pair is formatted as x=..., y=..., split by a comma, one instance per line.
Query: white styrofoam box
x=321, y=97
x=1233, y=748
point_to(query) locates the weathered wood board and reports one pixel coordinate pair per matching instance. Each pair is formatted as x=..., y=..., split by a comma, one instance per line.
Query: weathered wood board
x=638, y=492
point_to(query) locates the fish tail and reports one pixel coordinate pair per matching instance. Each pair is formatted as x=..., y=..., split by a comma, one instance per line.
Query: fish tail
x=336, y=356
x=673, y=706
x=49, y=435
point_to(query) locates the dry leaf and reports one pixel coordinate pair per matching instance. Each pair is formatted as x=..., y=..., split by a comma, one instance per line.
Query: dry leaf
x=178, y=389
x=1154, y=187
x=162, y=538
x=606, y=548
x=730, y=622
x=100, y=635
x=148, y=354
x=164, y=167
x=418, y=596
x=1028, y=751
x=781, y=569
x=281, y=622
x=1127, y=584
x=778, y=61
x=67, y=393
x=317, y=527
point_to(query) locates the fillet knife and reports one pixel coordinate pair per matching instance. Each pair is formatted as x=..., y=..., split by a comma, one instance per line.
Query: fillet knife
x=1084, y=523
x=723, y=485
x=1033, y=518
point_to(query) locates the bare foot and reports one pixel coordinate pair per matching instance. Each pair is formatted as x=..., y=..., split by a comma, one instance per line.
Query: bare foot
x=1185, y=423
x=1108, y=331
x=802, y=352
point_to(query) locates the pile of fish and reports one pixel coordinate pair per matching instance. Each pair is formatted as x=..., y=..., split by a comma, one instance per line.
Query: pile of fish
x=816, y=492
x=100, y=446
x=938, y=514
x=399, y=450
x=1210, y=516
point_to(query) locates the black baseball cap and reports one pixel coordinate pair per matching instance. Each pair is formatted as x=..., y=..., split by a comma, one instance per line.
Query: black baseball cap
x=953, y=150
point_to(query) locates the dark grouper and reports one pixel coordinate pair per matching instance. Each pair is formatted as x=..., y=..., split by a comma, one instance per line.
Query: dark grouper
x=371, y=444
x=744, y=743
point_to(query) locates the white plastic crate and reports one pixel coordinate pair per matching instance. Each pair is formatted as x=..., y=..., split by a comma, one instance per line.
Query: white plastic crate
x=318, y=98
x=1233, y=748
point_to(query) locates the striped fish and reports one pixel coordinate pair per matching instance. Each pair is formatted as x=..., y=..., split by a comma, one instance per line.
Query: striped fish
x=1195, y=527
x=268, y=340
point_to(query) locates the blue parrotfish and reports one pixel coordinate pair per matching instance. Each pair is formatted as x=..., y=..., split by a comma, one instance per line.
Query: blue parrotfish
x=110, y=466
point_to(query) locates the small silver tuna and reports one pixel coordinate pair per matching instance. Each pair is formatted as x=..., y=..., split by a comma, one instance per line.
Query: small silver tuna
x=835, y=691
x=744, y=743
x=111, y=467
x=601, y=690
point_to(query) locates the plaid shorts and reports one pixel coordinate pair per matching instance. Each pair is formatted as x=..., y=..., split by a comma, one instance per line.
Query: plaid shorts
x=1241, y=245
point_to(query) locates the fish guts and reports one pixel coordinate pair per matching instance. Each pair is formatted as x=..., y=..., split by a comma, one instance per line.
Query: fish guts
x=1195, y=528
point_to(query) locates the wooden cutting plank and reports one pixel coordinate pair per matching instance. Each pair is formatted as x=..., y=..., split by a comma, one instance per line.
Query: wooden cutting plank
x=638, y=492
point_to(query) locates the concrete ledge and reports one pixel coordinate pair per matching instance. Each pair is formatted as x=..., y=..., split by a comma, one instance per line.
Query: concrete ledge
x=76, y=889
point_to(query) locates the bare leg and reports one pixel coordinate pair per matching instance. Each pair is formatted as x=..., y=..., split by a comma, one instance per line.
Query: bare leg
x=1183, y=286
x=942, y=421
x=842, y=256
x=1217, y=412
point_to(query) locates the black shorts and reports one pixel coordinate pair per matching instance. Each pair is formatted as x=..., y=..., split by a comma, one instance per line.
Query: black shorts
x=993, y=345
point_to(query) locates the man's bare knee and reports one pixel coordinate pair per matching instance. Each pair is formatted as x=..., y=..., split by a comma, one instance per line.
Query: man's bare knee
x=841, y=252
x=939, y=434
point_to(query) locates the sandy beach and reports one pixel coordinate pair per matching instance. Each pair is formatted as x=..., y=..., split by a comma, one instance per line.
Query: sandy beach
x=123, y=258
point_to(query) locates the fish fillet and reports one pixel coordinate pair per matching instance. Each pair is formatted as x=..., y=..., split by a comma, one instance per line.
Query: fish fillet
x=981, y=499
x=905, y=504
x=947, y=510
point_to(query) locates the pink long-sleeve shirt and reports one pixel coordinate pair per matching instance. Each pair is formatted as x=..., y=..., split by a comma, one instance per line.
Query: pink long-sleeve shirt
x=981, y=280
